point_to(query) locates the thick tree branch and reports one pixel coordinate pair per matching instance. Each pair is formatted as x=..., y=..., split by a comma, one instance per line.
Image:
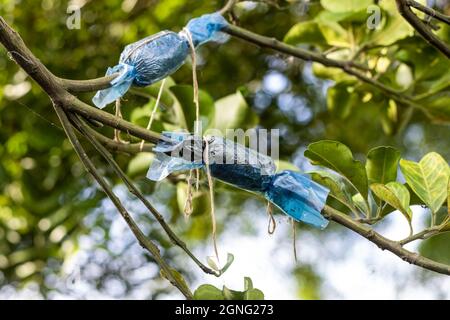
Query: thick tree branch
x=143, y=240
x=134, y=190
x=57, y=93
x=77, y=106
x=421, y=28
x=61, y=98
x=307, y=55
x=357, y=70
x=384, y=243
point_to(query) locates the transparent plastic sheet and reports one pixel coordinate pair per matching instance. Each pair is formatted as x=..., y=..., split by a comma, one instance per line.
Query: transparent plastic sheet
x=294, y=193
x=154, y=58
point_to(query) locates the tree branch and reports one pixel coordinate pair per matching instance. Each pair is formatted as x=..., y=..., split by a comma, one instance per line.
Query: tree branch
x=228, y=6
x=83, y=128
x=355, y=69
x=306, y=55
x=116, y=146
x=404, y=9
x=56, y=89
x=384, y=243
x=424, y=234
x=429, y=11
x=143, y=240
x=77, y=106
x=78, y=86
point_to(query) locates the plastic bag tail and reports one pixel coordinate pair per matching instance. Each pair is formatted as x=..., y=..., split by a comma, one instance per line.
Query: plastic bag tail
x=299, y=197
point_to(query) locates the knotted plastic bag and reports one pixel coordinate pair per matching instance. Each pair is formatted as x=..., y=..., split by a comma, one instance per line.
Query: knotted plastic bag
x=294, y=193
x=154, y=58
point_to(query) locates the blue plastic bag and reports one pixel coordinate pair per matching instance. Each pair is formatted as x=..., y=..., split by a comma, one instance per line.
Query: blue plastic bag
x=294, y=193
x=154, y=58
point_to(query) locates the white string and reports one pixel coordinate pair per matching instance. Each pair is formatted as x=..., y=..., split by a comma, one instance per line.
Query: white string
x=194, y=79
x=155, y=108
x=188, y=208
x=211, y=195
x=272, y=223
x=119, y=115
x=196, y=95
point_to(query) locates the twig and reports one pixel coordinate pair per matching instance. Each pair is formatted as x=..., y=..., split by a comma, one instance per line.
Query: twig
x=306, y=55
x=228, y=6
x=78, y=86
x=57, y=93
x=404, y=9
x=384, y=243
x=143, y=240
x=114, y=146
x=425, y=234
x=429, y=11
x=84, y=129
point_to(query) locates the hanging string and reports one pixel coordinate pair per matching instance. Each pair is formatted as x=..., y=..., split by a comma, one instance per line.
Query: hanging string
x=188, y=208
x=197, y=179
x=272, y=223
x=155, y=108
x=194, y=80
x=211, y=194
x=196, y=95
x=294, y=237
x=119, y=115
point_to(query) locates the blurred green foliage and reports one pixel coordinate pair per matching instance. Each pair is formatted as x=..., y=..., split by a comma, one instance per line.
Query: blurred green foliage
x=48, y=204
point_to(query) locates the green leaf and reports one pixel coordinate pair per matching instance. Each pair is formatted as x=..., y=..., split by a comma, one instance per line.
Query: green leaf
x=208, y=292
x=336, y=187
x=335, y=74
x=285, y=165
x=232, y=294
x=248, y=283
x=345, y=5
x=305, y=32
x=437, y=107
x=394, y=27
x=201, y=202
x=360, y=203
x=335, y=34
x=428, y=179
x=338, y=157
x=396, y=195
x=185, y=95
x=446, y=223
x=382, y=164
x=140, y=164
x=348, y=16
x=340, y=99
x=230, y=259
x=141, y=115
x=253, y=294
x=212, y=264
x=233, y=112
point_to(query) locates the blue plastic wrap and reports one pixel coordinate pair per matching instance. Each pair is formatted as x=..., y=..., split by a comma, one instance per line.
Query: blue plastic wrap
x=294, y=193
x=163, y=164
x=154, y=58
